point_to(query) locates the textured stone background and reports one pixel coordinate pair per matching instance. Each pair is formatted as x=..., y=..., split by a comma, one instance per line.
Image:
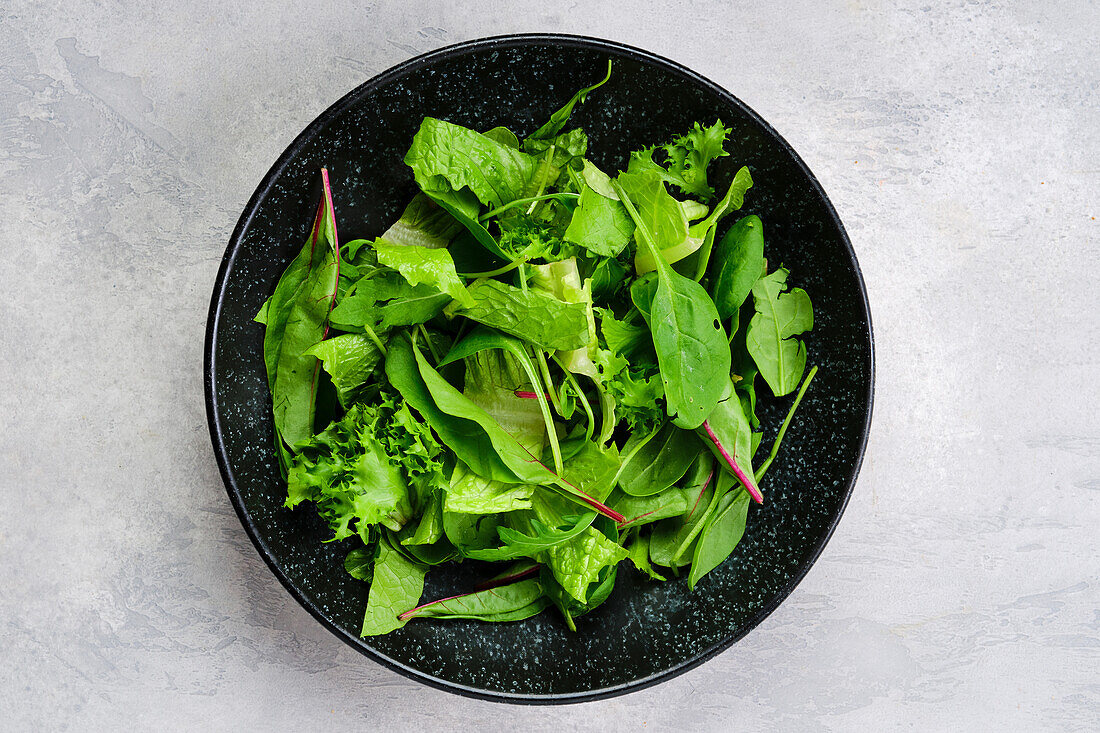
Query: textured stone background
x=959, y=142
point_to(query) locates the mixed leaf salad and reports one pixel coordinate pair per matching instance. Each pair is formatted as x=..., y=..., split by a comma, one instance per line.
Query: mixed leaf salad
x=539, y=366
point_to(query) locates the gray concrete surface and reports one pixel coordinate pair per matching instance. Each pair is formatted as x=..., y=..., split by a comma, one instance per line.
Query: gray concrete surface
x=958, y=140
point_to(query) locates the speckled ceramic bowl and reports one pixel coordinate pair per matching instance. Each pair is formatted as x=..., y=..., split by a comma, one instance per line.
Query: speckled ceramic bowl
x=646, y=632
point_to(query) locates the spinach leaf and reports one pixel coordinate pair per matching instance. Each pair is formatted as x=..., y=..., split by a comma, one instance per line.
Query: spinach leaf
x=600, y=224
x=706, y=229
x=296, y=316
x=607, y=278
x=659, y=461
x=736, y=265
x=471, y=531
x=423, y=224
x=396, y=588
x=691, y=346
x=639, y=510
x=350, y=360
x=671, y=538
x=728, y=435
x=722, y=533
x=779, y=316
x=504, y=603
x=432, y=267
x=532, y=316
x=660, y=216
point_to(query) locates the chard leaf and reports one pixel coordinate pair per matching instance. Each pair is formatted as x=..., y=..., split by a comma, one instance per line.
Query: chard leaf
x=511, y=602
x=672, y=541
x=432, y=267
x=532, y=316
x=779, y=317
x=296, y=316
x=720, y=535
x=727, y=433
x=395, y=589
x=350, y=360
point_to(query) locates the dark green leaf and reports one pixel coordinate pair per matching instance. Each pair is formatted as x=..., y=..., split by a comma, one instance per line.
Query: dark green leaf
x=660, y=462
x=504, y=603
x=736, y=265
x=723, y=530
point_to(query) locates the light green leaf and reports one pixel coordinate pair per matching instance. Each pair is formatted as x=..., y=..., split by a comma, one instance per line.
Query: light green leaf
x=397, y=586
x=428, y=266
x=779, y=317
x=532, y=316
x=350, y=360
x=577, y=563
x=423, y=224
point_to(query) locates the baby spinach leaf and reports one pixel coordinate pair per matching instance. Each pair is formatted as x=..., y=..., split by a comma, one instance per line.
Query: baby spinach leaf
x=727, y=433
x=423, y=224
x=350, y=360
x=504, y=603
x=736, y=265
x=432, y=267
x=639, y=510
x=607, y=278
x=659, y=215
x=532, y=316
x=691, y=346
x=722, y=533
x=396, y=588
x=385, y=300
x=779, y=316
x=660, y=462
x=297, y=317
x=671, y=538
x=706, y=229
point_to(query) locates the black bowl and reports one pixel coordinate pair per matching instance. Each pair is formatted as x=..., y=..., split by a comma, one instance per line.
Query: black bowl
x=646, y=632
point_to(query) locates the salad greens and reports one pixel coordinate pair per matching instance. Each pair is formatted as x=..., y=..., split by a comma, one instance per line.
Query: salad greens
x=539, y=365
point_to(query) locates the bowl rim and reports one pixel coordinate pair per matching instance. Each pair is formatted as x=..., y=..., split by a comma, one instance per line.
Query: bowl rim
x=219, y=296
